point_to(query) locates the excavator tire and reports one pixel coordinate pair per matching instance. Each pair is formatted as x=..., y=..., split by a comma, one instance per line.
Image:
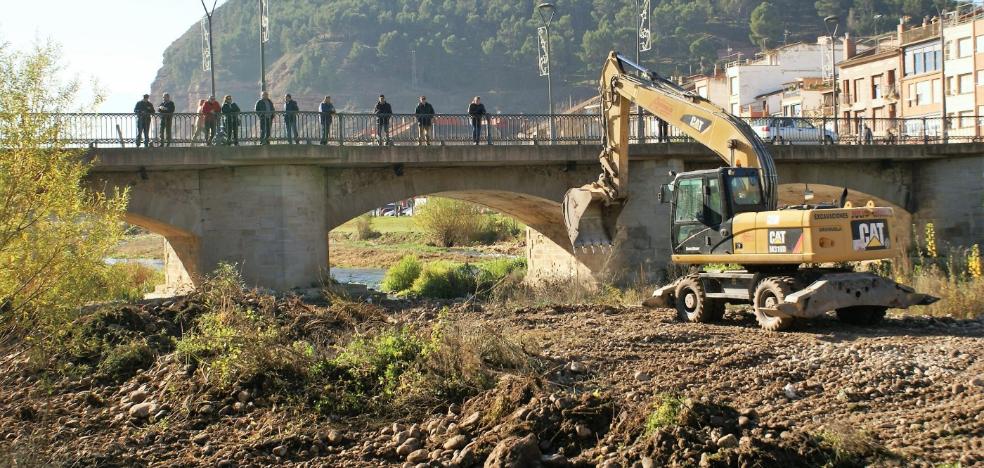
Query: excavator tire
x=769, y=292
x=861, y=315
x=692, y=304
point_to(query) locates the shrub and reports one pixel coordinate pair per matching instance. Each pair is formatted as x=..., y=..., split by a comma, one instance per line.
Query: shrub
x=130, y=281
x=449, y=222
x=666, y=412
x=445, y=280
x=123, y=361
x=400, y=277
x=493, y=272
x=498, y=228
x=364, y=229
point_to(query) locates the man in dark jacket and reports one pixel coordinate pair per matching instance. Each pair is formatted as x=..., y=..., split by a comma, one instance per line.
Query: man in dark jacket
x=265, y=112
x=327, y=110
x=383, y=113
x=166, y=110
x=290, y=118
x=230, y=115
x=425, y=118
x=144, y=110
x=477, y=112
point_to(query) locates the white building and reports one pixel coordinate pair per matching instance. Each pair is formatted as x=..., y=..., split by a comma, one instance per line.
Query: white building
x=960, y=97
x=769, y=71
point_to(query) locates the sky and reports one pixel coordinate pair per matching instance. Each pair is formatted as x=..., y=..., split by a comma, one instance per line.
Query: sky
x=119, y=43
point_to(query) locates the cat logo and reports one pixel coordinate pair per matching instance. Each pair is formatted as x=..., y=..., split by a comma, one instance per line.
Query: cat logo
x=697, y=123
x=785, y=241
x=869, y=235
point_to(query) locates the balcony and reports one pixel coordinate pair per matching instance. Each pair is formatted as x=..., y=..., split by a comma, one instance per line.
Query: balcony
x=921, y=33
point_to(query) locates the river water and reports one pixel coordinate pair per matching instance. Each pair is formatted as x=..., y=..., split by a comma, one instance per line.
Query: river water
x=371, y=277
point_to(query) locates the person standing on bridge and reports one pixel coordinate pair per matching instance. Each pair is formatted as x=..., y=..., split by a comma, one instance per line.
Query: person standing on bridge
x=477, y=112
x=144, y=110
x=230, y=113
x=166, y=110
x=290, y=118
x=265, y=110
x=383, y=113
x=425, y=119
x=212, y=110
x=327, y=110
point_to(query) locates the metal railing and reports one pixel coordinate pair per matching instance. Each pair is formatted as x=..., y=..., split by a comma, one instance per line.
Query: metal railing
x=246, y=128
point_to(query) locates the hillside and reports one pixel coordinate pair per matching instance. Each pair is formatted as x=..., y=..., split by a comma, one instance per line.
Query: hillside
x=454, y=49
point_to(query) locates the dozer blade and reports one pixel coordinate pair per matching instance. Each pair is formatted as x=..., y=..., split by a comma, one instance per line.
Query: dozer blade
x=839, y=290
x=588, y=217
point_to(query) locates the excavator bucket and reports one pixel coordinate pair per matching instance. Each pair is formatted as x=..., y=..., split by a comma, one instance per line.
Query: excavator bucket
x=589, y=217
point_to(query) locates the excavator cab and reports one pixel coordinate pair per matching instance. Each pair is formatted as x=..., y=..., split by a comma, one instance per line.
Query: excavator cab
x=704, y=204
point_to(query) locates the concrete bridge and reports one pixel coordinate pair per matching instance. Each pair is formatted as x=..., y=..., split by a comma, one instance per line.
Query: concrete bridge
x=271, y=208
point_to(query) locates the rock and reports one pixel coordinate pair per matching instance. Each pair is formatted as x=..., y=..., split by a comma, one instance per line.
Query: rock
x=727, y=441
x=705, y=460
x=243, y=396
x=335, y=437
x=455, y=443
x=744, y=421
x=417, y=456
x=642, y=376
x=471, y=419
x=582, y=431
x=400, y=437
x=577, y=367
x=514, y=452
x=200, y=438
x=958, y=388
x=465, y=457
x=555, y=459
x=139, y=395
x=410, y=445
x=790, y=391
x=142, y=410
x=280, y=451
x=647, y=462
x=976, y=382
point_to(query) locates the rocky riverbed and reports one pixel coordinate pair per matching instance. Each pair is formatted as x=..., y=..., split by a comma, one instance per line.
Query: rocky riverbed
x=613, y=386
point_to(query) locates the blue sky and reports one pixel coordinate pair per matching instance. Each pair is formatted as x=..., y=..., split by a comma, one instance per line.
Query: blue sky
x=120, y=43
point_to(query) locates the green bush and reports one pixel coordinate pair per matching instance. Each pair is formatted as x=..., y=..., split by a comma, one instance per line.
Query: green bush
x=498, y=228
x=123, y=361
x=445, y=280
x=492, y=272
x=666, y=412
x=364, y=229
x=400, y=277
x=449, y=222
x=130, y=281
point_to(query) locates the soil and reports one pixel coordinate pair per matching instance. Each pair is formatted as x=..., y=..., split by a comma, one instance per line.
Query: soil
x=908, y=391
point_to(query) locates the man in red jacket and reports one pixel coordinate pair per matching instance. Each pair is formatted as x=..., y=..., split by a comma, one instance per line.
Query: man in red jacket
x=212, y=110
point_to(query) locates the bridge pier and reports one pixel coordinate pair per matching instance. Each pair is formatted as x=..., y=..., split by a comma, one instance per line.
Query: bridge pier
x=268, y=219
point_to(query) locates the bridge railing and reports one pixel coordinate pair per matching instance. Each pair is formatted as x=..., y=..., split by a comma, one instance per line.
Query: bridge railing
x=364, y=129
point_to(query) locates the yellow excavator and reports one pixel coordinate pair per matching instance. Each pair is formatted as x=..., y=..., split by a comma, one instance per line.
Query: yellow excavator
x=730, y=216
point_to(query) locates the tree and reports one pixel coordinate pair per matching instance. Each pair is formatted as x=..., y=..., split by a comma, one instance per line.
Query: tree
x=54, y=233
x=766, y=27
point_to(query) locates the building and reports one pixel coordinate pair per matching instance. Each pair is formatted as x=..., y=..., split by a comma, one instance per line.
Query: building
x=869, y=82
x=768, y=72
x=804, y=97
x=960, y=67
x=713, y=87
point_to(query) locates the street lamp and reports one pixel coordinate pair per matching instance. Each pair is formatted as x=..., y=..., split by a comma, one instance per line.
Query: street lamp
x=833, y=63
x=642, y=26
x=211, y=51
x=264, y=15
x=547, y=11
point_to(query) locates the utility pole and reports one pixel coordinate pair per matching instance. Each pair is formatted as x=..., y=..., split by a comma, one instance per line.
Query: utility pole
x=642, y=41
x=211, y=50
x=547, y=11
x=264, y=37
x=833, y=66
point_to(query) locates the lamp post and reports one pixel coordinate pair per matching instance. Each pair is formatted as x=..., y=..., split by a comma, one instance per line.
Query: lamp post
x=833, y=65
x=640, y=22
x=211, y=51
x=547, y=11
x=264, y=37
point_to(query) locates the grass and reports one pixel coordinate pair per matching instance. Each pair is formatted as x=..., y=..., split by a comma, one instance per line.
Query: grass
x=384, y=225
x=667, y=410
x=847, y=446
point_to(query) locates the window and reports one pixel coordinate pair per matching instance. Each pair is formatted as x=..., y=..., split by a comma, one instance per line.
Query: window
x=965, y=47
x=923, y=59
x=745, y=190
x=923, y=93
x=733, y=83
x=965, y=83
x=689, y=200
x=877, y=113
x=858, y=86
x=980, y=76
x=966, y=119
x=950, y=88
x=876, y=83
x=713, y=215
x=804, y=124
x=980, y=44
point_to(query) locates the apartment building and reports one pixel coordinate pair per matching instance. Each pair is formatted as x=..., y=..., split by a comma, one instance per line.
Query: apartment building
x=750, y=80
x=961, y=90
x=804, y=97
x=713, y=87
x=869, y=86
x=922, y=79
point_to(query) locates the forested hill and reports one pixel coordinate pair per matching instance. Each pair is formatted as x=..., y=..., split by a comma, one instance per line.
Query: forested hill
x=454, y=49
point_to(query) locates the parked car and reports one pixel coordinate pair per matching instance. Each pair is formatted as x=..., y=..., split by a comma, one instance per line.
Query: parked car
x=791, y=130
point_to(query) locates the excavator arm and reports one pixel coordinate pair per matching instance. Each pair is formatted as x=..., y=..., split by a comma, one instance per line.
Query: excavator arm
x=590, y=211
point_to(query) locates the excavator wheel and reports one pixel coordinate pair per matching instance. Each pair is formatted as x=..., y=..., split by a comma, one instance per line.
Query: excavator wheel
x=692, y=304
x=861, y=315
x=770, y=292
